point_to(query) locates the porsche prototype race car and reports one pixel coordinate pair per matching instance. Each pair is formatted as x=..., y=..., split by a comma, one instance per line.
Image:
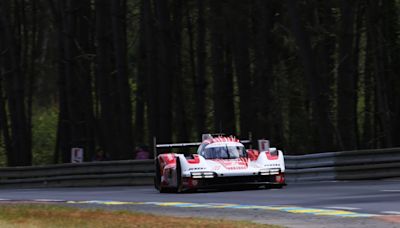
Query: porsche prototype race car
x=220, y=162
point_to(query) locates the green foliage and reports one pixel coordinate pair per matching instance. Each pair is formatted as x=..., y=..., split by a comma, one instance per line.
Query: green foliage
x=43, y=137
x=44, y=134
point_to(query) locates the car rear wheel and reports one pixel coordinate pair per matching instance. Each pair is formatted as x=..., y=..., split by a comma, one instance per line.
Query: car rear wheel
x=178, y=187
x=178, y=176
x=157, y=177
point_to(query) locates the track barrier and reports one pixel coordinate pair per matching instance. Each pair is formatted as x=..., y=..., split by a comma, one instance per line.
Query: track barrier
x=330, y=166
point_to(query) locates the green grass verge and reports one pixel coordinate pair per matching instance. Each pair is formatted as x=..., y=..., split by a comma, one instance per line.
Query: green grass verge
x=45, y=215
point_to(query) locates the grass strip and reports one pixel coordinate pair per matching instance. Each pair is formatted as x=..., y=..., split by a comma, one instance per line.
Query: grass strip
x=49, y=215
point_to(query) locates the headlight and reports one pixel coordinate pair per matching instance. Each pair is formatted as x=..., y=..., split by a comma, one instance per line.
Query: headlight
x=269, y=171
x=202, y=175
x=264, y=171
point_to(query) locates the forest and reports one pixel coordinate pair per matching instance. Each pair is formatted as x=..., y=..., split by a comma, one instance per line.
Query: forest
x=310, y=76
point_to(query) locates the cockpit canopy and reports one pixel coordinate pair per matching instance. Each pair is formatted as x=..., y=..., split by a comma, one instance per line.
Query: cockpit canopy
x=223, y=150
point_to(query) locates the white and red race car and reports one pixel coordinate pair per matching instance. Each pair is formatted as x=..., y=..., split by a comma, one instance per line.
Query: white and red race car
x=220, y=162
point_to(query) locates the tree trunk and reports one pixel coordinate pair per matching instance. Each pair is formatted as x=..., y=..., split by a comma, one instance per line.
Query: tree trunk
x=32, y=69
x=181, y=112
x=240, y=28
x=200, y=82
x=375, y=36
x=15, y=91
x=391, y=57
x=141, y=83
x=165, y=70
x=4, y=122
x=105, y=85
x=263, y=72
x=76, y=118
x=125, y=144
x=63, y=131
x=346, y=79
x=368, y=137
x=317, y=90
x=149, y=59
x=227, y=111
x=221, y=65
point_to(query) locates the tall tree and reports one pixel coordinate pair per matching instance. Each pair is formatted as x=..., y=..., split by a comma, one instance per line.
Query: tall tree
x=200, y=80
x=221, y=65
x=239, y=23
x=149, y=59
x=376, y=39
x=180, y=81
x=347, y=96
x=32, y=69
x=391, y=30
x=263, y=73
x=141, y=95
x=165, y=69
x=318, y=81
x=368, y=136
x=112, y=82
x=76, y=118
x=267, y=103
x=4, y=128
x=13, y=77
x=123, y=102
x=105, y=83
x=390, y=27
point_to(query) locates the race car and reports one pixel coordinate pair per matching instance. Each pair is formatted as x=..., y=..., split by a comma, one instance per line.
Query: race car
x=221, y=161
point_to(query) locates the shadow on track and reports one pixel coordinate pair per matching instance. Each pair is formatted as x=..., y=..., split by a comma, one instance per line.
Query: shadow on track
x=228, y=189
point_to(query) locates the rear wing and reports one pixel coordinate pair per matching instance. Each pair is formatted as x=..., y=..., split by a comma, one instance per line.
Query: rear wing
x=189, y=144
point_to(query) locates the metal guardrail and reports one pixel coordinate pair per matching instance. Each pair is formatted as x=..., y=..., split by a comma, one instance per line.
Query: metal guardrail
x=105, y=173
x=346, y=165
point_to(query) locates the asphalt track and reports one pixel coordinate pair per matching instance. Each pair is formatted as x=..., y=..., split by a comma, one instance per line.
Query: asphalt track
x=321, y=204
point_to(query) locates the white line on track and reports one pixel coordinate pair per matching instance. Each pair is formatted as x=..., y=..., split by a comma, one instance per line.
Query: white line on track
x=48, y=200
x=391, y=190
x=343, y=208
x=391, y=212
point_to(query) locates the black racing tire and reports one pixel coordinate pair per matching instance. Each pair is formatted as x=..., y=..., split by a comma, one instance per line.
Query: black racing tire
x=163, y=190
x=157, y=177
x=274, y=186
x=178, y=175
x=157, y=180
x=278, y=186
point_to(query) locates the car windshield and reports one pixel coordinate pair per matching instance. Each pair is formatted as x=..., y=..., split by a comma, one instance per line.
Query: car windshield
x=224, y=152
